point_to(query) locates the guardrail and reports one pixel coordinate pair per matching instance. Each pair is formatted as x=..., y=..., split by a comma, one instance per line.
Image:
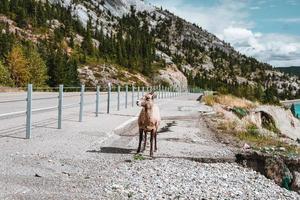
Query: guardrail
x=136, y=93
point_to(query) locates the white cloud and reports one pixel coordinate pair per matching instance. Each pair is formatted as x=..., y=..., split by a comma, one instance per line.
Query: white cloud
x=255, y=8
x=214, y=18
x=287, y=20
x=229, y=20
x=276, y=49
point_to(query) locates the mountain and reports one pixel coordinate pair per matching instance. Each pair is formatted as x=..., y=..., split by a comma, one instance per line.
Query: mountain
x=294, y=70
x=130, y=41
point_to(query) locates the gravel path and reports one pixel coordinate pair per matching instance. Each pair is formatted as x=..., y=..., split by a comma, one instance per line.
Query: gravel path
x=183, y=179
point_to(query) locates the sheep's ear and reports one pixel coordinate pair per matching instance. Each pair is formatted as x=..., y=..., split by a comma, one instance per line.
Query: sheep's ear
x=154, y=96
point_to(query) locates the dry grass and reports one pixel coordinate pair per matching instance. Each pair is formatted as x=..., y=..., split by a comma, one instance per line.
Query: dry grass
x=209, y=100
x=9, y=89
x=229, y=100
x=227, y=126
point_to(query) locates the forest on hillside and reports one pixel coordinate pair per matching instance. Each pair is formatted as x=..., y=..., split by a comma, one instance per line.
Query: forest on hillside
x=48, y=62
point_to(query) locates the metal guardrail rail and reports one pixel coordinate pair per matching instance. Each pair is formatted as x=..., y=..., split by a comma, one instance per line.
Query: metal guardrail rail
x=136, y=92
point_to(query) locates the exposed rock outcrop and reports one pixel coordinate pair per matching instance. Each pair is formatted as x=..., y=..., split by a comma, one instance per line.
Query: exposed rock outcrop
x=172, y=76
x=103, y=74
x=284, y=120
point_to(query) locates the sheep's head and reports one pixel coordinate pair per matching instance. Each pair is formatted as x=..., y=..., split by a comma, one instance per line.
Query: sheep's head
x=147, y=100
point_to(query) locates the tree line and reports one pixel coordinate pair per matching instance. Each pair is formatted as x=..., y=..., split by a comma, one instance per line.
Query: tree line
x=55, y=60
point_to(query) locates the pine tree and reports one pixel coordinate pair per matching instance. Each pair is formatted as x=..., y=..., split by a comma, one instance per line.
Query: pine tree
x=259, y=92
x=6, y=43
x=21, y=17
x=5, y=79
x=87, y=43
x=4, y=6
x=18, y=66
x=37, y=68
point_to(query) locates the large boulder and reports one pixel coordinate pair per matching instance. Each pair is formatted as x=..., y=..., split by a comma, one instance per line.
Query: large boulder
x=277, y=170
x=171, y=76
x=284, y=120
x=296, y=182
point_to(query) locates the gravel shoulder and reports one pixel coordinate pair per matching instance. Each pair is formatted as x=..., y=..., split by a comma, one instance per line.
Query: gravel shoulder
x=86, y=162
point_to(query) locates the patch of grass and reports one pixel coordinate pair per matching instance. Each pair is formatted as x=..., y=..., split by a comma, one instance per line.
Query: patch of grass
x=253, y=137
x=227, y=126
x=209, y=100
x=138, y=157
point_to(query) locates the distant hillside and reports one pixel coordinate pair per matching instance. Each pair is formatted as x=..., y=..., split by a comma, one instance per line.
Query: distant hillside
x=94, y=42
x=294, y=70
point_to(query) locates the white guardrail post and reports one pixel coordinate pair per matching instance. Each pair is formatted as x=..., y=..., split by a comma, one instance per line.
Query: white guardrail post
x=60, y=105
x=158, y=95
x=97, y=100
x=118, y=104
x=29, y=112
x=81, y=103
x=132, y=95
x=108, y=97
x=138, y=92
x=126, y=96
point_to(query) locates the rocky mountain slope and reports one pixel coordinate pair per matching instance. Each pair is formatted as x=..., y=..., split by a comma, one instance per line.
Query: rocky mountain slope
x=179, y=53
x=183, y=46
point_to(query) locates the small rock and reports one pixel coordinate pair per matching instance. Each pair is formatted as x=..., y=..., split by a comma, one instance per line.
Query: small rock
x=282, y=149
x=246, y=147
x=66, y=173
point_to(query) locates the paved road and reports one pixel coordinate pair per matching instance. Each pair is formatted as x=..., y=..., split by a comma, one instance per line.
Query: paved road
x=290, y=102
x=14, y=126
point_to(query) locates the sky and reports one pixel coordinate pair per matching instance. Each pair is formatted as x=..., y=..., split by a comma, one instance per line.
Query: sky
x=268, y=30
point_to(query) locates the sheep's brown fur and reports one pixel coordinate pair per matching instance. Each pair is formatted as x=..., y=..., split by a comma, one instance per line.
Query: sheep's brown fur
x=148, y=121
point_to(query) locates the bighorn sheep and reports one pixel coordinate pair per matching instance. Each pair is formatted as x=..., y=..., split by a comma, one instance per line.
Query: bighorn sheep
x=148, y=121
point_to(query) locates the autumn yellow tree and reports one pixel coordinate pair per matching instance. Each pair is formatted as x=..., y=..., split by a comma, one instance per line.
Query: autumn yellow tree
x=18, y=66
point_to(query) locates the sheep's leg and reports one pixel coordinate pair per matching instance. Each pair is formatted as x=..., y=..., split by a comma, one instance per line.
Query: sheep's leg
x=151, y=144
x=140, y=141
x=155, y=141
x=145, y=141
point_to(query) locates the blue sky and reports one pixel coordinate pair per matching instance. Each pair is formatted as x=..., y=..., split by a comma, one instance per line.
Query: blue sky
x=268, y=30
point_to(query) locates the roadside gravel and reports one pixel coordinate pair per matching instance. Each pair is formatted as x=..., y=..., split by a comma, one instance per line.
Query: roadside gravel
x=184, y=179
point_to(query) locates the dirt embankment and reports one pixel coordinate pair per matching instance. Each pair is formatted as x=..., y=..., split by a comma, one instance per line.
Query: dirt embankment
x=265, y=143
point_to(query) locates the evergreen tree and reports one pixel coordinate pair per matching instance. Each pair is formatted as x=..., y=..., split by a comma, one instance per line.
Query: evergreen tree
x=37, y=68
x=259, y=92
x=21, y=17
x=87, y=43
x=6, y=43
x=4, y=6
x=5, y=79
x=270, y=95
